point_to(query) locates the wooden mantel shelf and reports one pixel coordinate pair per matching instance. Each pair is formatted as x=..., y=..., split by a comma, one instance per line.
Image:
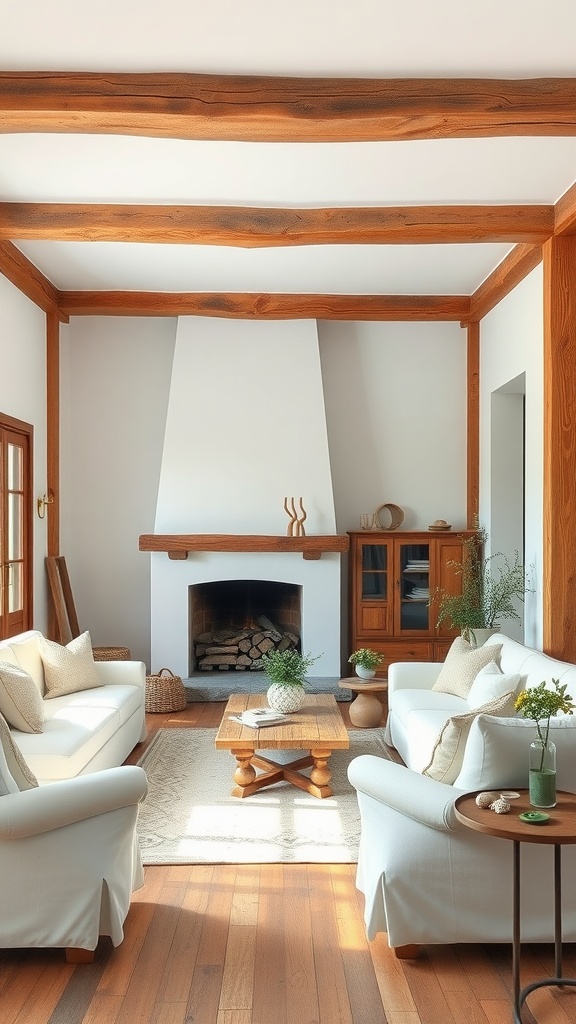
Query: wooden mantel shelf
x=177, y=545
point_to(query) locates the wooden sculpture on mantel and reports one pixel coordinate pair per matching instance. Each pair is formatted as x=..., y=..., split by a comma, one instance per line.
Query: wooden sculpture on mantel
x=296, y=524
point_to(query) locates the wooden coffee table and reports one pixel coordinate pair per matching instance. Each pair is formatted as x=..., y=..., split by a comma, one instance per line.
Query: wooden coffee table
x=318, y=728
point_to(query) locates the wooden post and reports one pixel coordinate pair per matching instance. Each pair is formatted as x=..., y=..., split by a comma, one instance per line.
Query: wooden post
x=53, y=432
x=473, y=425
x=559, y=569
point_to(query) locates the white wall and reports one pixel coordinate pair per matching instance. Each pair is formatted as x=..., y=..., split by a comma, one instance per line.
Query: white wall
x=395, y=398
x=396, y=409
x=512, y=346
x=115, y=381
x=23, y=395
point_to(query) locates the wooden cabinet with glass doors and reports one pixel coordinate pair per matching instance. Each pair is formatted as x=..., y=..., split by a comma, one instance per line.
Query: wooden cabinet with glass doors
x=393, y=578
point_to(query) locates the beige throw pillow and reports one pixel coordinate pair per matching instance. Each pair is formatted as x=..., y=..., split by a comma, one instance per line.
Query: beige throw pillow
x=20, y=773
x=448, y=753
x=462, y=665
x=20, y=701
x=68, y=669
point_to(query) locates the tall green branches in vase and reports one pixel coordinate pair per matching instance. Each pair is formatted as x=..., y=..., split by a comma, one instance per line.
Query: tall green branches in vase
x=491, y=587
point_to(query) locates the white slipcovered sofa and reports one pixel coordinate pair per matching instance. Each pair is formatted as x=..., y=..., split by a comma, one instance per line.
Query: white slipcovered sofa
x=69, y=852
x=425, y=877
x=82, y=731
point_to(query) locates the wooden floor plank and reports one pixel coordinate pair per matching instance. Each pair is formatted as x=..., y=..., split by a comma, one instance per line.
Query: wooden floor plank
x=103, y=1009
x=363, y=991
x=238, y=978
x=212, y=949
x=269, y=979
x=497, y=1011
x=394, y=989
x=38, y=984
x=177, y=977
x=202, y=1006
x=300, y=975
x=333, y=1001
x=145, y=982
x=427, y=993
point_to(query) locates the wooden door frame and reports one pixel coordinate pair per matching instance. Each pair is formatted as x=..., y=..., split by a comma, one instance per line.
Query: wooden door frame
x=18, y=426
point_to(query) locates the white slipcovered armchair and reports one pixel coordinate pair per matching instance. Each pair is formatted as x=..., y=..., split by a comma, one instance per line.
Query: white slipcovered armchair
x=69, y=855
x=427, y=879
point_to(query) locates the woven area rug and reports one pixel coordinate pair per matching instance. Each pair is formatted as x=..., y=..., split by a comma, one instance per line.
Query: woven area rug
x=189, y=816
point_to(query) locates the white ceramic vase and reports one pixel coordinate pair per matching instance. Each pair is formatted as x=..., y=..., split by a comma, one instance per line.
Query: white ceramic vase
x=285, y=697
x=365, y=673
x=478, y=637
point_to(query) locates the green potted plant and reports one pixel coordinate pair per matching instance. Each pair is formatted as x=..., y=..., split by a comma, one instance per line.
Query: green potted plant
x=365, y=661
x=490, y=587
x=287, y=673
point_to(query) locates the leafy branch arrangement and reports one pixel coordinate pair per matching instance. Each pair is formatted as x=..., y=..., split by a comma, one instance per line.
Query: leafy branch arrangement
x=366, y=658
x=489, y=588
x=287, y=667
x=539, y=703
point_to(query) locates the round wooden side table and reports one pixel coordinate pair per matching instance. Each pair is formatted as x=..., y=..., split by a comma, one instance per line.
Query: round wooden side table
x=366, y=709
x=559, y=830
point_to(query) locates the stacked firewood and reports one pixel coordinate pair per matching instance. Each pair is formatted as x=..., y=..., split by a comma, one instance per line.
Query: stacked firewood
x=241, y=648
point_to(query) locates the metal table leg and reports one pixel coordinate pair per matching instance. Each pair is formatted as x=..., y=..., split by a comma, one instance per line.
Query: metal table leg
x=520, y=995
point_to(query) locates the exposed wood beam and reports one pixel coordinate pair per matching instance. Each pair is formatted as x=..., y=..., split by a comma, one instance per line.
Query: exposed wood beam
x=53, y=433
x=270, y=109
x=565, y=213
x=253, y=227
x=25, y=276
x=516, y=266
x=473, y=426
x=559, y=436
x=249, y=306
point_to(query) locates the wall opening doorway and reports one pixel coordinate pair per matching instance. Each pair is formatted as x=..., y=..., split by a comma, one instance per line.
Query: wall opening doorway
x=507, y=485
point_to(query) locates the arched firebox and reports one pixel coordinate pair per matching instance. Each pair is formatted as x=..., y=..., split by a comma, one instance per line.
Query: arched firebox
x=232, y=623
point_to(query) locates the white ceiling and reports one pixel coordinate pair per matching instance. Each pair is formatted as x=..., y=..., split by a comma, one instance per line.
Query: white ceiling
x=366, y=38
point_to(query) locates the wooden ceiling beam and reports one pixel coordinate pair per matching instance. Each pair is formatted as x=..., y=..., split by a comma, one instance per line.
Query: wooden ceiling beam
x=565, y=213
x=259, y=227
x=280, y=109
x=29, y=280
x=516, y=266
x=247, y=306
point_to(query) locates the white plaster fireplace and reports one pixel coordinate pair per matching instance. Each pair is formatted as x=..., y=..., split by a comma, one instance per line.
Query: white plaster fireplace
x=245, y=428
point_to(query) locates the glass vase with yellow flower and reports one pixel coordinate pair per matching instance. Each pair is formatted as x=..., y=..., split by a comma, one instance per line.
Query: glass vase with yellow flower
x=540, y=703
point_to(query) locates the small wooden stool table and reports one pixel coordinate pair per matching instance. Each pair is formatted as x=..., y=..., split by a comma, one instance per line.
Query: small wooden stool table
x=366, y=709
x=560, y=829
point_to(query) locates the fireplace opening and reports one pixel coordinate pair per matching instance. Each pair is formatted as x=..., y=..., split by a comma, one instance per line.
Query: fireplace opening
x=234, y=622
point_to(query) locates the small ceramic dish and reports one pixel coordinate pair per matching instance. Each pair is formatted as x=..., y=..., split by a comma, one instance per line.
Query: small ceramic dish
x=510, y=794
x=534, y=817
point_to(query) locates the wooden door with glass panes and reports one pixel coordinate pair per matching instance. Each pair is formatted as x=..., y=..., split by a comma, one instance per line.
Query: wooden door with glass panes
x=15, y=527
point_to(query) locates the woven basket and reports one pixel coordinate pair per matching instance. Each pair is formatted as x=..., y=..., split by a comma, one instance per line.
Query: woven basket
x=165, y=693
x=112, y=654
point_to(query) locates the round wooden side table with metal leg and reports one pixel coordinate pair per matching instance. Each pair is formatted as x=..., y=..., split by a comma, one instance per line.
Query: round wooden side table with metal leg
x=558, y=831
x=366, y=709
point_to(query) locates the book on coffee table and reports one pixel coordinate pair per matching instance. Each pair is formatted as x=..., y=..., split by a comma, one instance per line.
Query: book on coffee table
x=257, y=717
